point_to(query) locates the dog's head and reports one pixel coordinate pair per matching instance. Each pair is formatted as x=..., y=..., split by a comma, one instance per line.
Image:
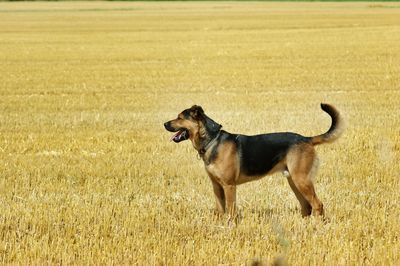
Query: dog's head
x=193, y=124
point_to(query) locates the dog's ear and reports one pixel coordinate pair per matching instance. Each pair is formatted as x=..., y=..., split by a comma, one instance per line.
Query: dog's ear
x=196, y=112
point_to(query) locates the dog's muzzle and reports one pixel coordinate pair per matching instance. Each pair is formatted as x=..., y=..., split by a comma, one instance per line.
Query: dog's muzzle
x=180, y=135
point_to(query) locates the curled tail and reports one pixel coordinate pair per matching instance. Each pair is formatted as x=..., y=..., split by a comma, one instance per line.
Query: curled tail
x=336, y=129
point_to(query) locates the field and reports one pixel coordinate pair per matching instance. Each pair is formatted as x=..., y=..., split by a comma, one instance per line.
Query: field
x=87, y=172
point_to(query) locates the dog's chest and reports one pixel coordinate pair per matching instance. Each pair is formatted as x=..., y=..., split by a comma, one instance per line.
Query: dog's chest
x=215, y=171
x=224, y=173
x=224, y=165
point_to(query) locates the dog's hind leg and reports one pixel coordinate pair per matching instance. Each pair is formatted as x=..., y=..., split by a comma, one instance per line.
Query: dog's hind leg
x=302, y=164
x=305, y=206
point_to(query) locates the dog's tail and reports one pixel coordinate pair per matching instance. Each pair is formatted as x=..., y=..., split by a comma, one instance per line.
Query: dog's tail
x=336, y=129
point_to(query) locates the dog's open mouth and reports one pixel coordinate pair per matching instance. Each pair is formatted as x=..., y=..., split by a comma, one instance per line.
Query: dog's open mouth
x=182, y=134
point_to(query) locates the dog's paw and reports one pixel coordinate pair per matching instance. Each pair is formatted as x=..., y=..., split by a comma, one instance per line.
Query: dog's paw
x=233, y=221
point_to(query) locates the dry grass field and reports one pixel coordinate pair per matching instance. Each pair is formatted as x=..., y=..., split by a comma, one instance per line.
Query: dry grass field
x=87, y=172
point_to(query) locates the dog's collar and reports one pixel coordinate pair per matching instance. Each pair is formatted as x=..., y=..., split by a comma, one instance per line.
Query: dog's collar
x=203, y=150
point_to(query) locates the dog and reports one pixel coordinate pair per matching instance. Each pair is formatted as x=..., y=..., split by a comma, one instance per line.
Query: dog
x=234, y=159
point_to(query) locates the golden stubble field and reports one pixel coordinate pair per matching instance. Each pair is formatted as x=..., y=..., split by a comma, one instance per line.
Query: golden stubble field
x=87, y=172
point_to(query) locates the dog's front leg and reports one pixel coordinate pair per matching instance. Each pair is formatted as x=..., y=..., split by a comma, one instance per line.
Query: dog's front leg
x=230, y=197
x=219, y=197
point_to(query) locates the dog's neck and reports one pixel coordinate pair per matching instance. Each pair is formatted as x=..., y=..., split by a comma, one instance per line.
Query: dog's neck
x=208, y=135
x=207, y=143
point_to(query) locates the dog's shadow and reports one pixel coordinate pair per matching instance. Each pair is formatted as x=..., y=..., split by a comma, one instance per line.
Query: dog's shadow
x=259, y=214
x=268, y=213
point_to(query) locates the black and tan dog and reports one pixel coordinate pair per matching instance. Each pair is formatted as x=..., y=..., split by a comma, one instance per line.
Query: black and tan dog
x=233, y=159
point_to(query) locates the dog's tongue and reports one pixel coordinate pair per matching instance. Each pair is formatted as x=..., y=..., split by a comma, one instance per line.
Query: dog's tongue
x=176, y=135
